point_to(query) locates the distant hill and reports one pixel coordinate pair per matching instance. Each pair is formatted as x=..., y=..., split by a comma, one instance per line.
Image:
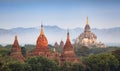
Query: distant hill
x=109, y=36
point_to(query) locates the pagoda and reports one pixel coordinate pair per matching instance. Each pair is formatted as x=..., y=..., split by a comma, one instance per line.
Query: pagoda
x=88, y=38
x=61, y=44
x=68, y=54
x=16, y=51
x=42, y=46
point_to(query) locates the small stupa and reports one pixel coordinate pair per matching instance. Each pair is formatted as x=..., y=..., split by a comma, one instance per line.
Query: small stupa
x=16, y=50
x=68, y=54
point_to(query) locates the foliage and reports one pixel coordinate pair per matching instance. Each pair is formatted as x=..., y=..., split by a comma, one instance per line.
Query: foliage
x=9, y=46
x=101, y=62
x=23, y=50
x=72, y=67
x=116, y=53
x=16, y=66
x=6, y=59
x=29, y=47
x=42, y=64
x=4, y=51
x=84, y=51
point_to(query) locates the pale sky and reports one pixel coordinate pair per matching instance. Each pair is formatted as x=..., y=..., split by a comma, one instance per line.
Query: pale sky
x=63, y=13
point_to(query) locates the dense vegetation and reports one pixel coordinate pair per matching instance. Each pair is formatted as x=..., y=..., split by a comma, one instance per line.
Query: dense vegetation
x=95, y=59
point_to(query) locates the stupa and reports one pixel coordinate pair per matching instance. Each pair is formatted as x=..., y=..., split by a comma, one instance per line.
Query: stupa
x=88, y=38
x=16, y=50
x=68, y=54
x=42, y=46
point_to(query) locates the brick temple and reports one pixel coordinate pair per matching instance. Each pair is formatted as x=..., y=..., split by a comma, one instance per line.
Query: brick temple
x=68, y=54
x=16, y=50
x=42, y=49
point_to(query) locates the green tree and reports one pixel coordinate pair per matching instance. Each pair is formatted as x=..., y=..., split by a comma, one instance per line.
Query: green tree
x=77, y=67
x=116, y=53
x=23, y=50
x=101, y=62
x=41, y=64
x=5, y=59
x=16, y=66
x=4, y=51
x=72, y=67
x=9, y=46
x=82, y=51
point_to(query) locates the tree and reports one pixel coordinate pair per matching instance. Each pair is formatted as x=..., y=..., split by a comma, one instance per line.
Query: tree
x=116, y=53
x=77, y=67
x=41, y=64
x=23, y=50
x=4, y=51
x=82, y=51
x=101, y=62
x=16, y=66
x=66, y=66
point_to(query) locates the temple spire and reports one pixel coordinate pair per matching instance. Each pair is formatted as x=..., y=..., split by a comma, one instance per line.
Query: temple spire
x=15, y=37
x=68, y=36
x=16, y=41
x=87, y=21
x=42, y=31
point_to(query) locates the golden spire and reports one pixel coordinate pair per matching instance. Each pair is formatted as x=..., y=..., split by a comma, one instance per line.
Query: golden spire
x=42, y=31
x=87, y=21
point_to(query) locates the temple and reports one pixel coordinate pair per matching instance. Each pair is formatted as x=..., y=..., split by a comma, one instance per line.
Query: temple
x=42, y=47
x=59, y=47
x=16, y=51
x=68, y=54
x=88, y=38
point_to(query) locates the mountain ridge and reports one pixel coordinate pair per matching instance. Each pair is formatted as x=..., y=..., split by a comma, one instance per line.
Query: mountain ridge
x=55, y=33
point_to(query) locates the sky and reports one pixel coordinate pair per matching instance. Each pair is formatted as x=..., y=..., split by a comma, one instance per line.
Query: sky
x=62, y=13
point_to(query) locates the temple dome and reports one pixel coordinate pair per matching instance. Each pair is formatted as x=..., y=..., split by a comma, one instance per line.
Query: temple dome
x=87, y=28
x=42, y=41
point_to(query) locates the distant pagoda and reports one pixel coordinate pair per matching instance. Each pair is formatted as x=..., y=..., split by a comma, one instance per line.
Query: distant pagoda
x=68, y=54
x=42, y=46
x=16, y=51
x=61, y=44
x=88, y=38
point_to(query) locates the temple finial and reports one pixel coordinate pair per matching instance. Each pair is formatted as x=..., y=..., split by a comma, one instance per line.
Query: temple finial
x=87, y=20
x=42, y=32
x=68, y=36
x=15, y=37
x=16, y=41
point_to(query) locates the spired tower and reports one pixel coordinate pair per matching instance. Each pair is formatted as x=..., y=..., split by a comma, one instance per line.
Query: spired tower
x=87, y=27
x=16, y=50
x=42, y=46
x=42, y=42
x=88, y=38
x=68, y=54
x=61, y=44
